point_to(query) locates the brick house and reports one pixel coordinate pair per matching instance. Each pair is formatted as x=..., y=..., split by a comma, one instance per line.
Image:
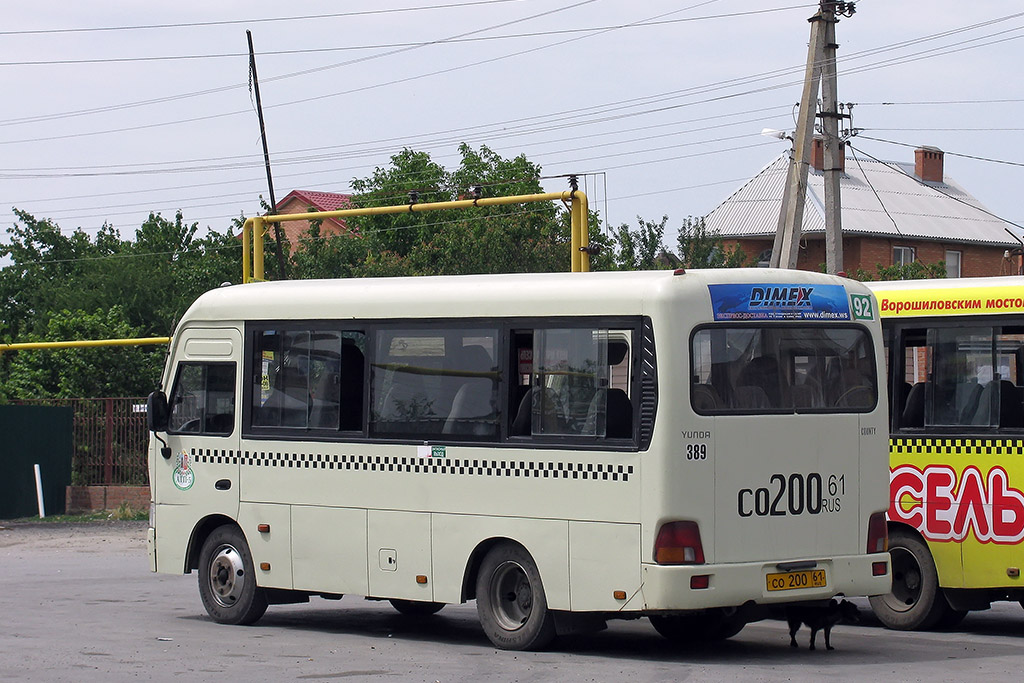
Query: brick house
x=893, y=213
x=302, y=201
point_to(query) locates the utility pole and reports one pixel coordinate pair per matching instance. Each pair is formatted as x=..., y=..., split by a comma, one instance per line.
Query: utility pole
x=820, y=70
x=266, y=159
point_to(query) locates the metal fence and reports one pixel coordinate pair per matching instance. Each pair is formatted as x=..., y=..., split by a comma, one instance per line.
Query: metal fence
x=110, y=440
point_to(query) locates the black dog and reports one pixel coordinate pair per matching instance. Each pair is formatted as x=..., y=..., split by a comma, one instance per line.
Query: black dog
x=820, y=618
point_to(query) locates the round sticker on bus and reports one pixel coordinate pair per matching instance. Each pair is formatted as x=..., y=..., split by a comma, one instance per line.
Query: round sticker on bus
x=183, y=476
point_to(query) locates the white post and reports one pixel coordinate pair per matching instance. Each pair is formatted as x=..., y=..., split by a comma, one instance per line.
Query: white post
x=39, y=493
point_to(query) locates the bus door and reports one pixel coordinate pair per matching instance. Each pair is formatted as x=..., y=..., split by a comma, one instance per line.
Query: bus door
x=202, y=470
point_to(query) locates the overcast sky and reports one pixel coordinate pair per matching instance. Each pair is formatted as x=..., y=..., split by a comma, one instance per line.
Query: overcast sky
x=659, y=102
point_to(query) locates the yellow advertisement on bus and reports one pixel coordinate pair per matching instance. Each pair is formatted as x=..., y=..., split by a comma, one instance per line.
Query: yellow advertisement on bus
x=955, y=355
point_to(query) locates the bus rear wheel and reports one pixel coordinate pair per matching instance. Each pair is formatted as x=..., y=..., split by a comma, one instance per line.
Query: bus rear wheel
x=510, y=600
x=227, y=580
x=416, y=608
x=706, y=626
x=916, y=601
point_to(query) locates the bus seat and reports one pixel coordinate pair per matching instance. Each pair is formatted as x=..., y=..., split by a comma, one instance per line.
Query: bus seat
x=913, y=412
x=985, y=413
x=967, y=396
x=1011, y=411
x=751, y=398
x=473, y=406
x=704, y=397
x=806, y=396
x=763, y=373
x=522, y=424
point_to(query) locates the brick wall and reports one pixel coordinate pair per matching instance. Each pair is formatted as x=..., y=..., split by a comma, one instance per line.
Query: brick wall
x=867, y=252
x=96, y=498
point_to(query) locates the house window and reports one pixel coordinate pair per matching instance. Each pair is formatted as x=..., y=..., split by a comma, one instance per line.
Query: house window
x=953, y=263
x=902, y=256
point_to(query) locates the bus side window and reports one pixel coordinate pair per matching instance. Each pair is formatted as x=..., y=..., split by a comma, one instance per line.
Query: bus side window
x=203, y=400
x=572, y=382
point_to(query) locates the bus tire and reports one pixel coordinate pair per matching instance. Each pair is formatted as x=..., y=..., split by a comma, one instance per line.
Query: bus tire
x=227, y=579
x=510, y=600
x=706, y=626
x=916, y=602
x=416, y=608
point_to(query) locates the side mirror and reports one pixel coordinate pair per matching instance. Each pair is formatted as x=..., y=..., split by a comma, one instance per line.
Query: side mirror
x=157, y=412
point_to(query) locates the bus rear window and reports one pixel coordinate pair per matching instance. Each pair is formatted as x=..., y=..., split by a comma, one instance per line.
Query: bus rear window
x=782, y=369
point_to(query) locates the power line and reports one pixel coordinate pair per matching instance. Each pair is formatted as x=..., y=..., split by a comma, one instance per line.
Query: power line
x=955, y=154
x=235, y=22
x=162, y=100
x=383, y=46
x=284, y=76
x=899, y=169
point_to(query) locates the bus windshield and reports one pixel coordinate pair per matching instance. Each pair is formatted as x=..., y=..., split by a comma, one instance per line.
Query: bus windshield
x=773, y=369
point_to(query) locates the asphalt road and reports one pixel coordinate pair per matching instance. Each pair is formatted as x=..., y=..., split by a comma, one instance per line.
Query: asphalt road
x=77, y=603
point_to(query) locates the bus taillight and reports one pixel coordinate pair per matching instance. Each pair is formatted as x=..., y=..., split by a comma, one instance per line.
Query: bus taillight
x=878, y=533
x=679, y=543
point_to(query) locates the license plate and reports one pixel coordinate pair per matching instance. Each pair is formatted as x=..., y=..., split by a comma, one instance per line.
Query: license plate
x=788, y=581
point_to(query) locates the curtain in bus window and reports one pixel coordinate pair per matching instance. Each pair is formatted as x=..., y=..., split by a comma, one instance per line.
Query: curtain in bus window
x=430, y=382
x=962, y=386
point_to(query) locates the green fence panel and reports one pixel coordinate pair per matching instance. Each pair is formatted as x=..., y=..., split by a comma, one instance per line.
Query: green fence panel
x=34, y=435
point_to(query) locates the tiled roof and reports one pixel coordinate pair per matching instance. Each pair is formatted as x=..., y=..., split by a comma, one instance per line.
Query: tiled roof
x=921, y=210
x=321, y=201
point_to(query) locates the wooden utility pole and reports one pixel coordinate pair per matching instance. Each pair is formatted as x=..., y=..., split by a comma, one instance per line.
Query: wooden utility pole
x=820, y=70
x=266, y=159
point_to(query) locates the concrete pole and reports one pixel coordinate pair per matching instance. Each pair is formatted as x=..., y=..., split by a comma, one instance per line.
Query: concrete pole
x=833, y=150
x=792, y=213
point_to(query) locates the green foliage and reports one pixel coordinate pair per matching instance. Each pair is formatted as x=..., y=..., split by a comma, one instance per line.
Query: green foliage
x=916, y=270
x=88, y=372
x=700, y=249
x=644, y=247
x=495, y=239
x=61, y=286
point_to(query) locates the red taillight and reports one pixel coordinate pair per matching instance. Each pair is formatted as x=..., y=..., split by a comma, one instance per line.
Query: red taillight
x=878, y=533
x=879, y=568
x=678, y=543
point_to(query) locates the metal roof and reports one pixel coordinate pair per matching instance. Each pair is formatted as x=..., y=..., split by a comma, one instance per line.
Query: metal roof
x=869, y=189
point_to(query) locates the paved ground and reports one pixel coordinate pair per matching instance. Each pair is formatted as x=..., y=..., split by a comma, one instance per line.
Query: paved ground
x=77, y=603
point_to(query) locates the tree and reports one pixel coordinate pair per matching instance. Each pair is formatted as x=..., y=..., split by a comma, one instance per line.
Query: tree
x=67, y=287
x=76, y=373
x=699, y=248
x=514, y=238
x=643, y=248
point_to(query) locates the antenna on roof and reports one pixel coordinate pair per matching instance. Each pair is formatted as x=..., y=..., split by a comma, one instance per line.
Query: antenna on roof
x=254, y=82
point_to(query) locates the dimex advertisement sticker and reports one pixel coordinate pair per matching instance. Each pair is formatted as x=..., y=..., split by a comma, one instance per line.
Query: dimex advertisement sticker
x=779, y=302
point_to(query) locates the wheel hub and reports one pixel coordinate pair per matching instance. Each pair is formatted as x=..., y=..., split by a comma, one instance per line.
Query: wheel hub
x=513, y=595
x=227, y=576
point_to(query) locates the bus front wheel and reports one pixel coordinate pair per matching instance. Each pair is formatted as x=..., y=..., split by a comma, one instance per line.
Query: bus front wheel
x=227, y=580
x=510, y=600
x=916, y=601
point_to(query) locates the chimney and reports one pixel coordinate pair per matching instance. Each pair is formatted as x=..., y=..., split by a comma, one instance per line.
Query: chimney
x=928, y=164
x=818, y=155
